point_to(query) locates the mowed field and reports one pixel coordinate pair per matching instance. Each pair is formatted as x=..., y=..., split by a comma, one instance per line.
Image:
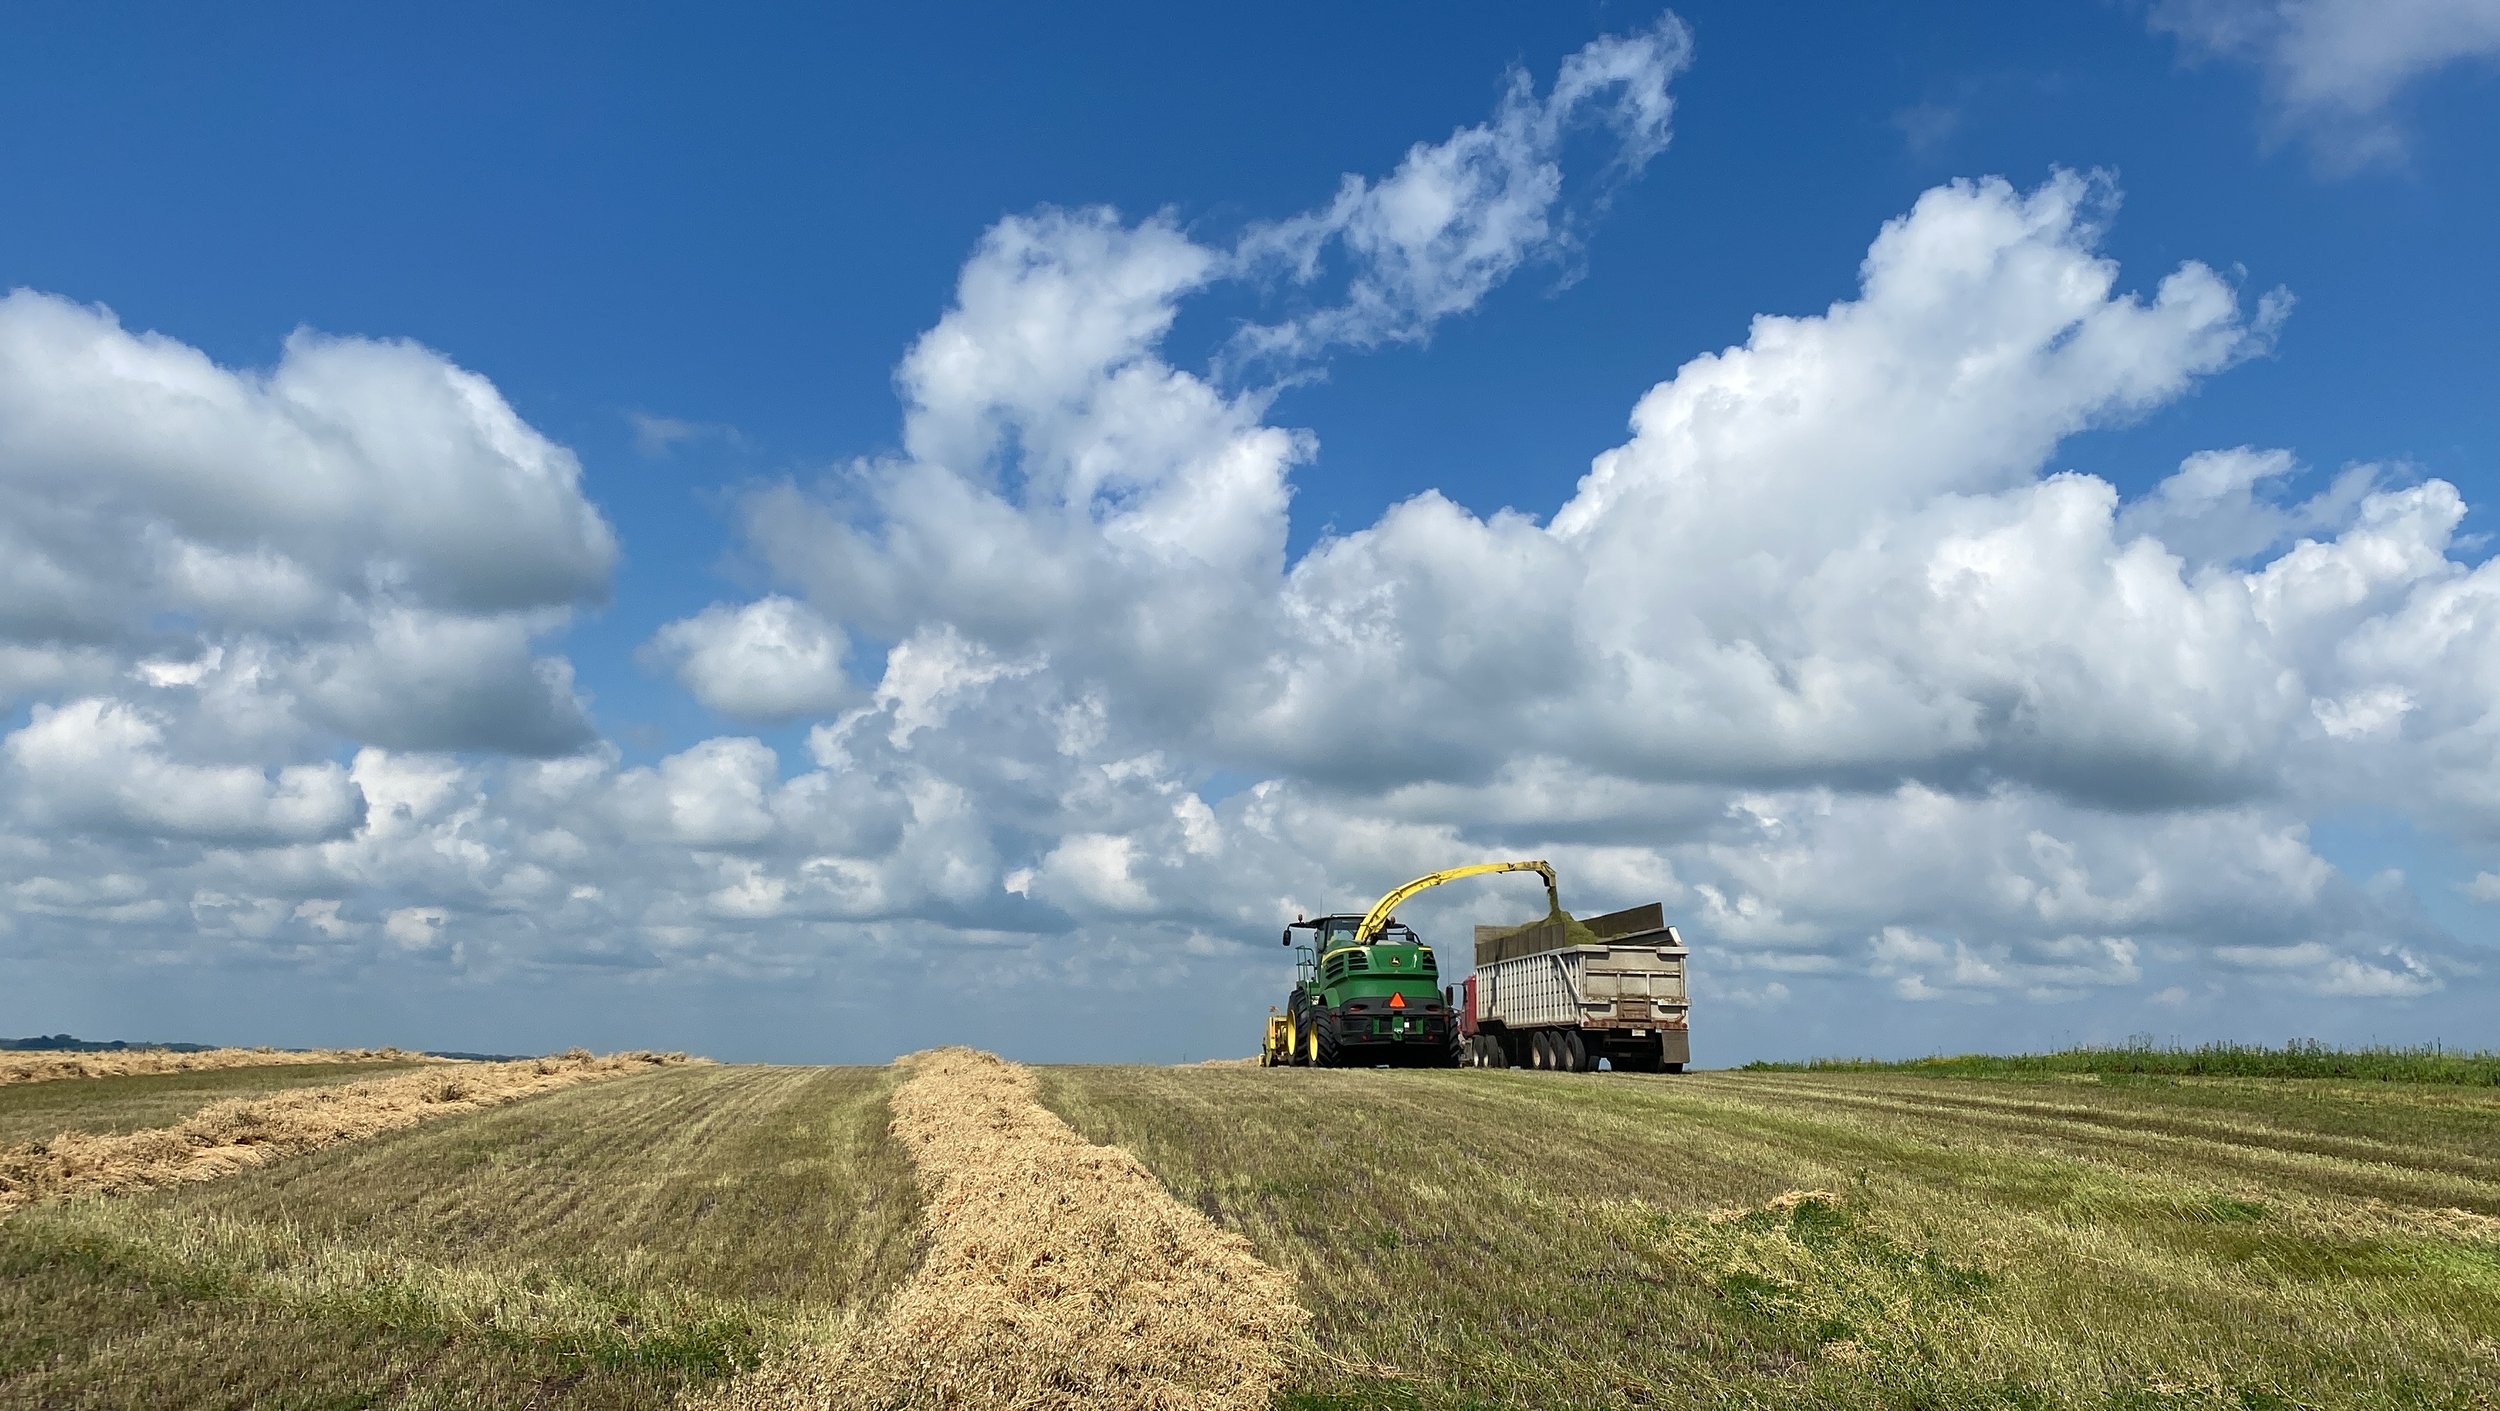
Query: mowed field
x=33, y=1111
x=604, y=1246
x=1461, y=1239
x=1769, y=1239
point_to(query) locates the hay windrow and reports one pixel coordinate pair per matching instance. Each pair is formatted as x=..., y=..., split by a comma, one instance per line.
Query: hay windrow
x=241, y=1132
x=1059, y=1275
x=41, y=1066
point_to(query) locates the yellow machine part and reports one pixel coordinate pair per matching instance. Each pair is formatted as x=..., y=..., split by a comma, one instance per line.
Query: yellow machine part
x=1387, y=906
x=1277, y=1048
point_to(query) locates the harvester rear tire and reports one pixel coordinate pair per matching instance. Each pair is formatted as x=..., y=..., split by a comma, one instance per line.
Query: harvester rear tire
x=1325, y=1050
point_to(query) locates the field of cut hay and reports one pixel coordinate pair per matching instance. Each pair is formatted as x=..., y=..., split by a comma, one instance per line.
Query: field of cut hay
x=47, y=1066
x=250, y=1131
x=608, y=1245
x=959, y=1231
x=1059, y=1275
x=1471, y=1239
x=35, y=1111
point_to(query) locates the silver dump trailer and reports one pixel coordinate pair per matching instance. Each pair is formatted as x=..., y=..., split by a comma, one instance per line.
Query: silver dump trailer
x=1563, y=995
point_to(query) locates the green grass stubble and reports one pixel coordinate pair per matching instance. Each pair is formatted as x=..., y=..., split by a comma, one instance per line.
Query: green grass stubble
x=1469, y=1239
x=2429, y=1064
x=608, y=1245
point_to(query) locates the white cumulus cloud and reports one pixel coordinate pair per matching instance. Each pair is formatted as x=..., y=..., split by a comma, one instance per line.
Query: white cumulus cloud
x=772, y=659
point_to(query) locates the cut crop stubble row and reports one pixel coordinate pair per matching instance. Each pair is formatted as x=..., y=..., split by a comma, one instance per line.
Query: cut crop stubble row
x=244, y=1132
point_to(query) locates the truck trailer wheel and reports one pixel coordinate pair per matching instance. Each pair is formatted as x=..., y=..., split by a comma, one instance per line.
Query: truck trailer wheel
x=1541, y=1051
x=1575, y=1053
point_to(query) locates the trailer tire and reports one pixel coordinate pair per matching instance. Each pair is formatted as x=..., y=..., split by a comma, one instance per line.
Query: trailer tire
x=1575, y=1053
x=1541, y=1054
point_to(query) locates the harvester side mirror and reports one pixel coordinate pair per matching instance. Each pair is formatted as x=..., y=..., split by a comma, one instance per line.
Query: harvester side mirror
x=1288, y=940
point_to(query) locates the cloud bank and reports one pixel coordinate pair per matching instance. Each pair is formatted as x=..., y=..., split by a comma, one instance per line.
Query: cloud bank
x=1828, y=652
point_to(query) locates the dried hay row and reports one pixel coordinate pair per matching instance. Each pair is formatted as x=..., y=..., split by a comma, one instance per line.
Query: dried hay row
x=1060, y=1275
x=241, y=1132
x=46, y=1065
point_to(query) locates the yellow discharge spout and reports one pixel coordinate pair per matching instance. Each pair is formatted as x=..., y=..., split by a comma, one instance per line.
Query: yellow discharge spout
x=1387, y=906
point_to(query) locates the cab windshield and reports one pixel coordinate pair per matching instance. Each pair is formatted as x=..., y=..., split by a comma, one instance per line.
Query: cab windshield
x=1333, y=934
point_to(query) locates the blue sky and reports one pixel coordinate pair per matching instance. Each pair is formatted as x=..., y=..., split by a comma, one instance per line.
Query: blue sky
x=694, y=254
